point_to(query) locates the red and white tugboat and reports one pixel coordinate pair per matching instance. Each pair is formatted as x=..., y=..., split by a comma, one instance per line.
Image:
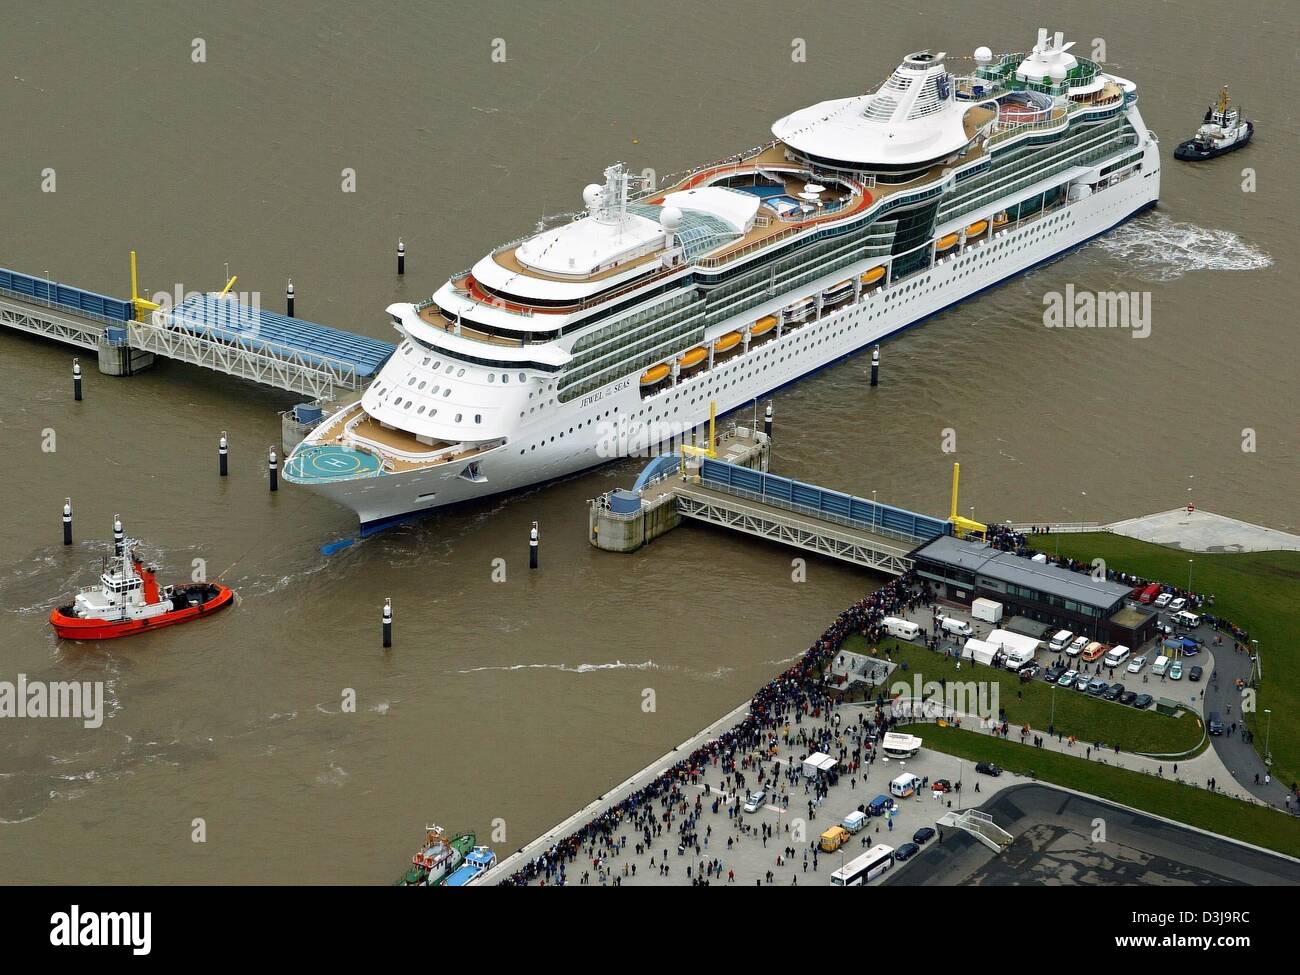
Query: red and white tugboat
x=129, y=600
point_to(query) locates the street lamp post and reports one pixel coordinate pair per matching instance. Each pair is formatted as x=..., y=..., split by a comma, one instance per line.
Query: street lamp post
x=1189, y=575
x=1268, y=728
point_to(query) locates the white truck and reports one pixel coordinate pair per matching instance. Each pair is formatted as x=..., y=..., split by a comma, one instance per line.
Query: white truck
x=988, y=610
x=1018, y=648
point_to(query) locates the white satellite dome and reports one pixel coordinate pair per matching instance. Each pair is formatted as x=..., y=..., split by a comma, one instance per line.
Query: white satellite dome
x=670, y=218
x=983, y=54
x=591, y=194
x=1057, y=72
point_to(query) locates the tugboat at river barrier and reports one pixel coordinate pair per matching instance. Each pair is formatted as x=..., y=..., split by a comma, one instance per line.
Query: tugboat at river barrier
x=129, y=600
x=1222, y=131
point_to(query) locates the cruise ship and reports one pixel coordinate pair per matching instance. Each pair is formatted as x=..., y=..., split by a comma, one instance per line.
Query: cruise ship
x=621, y=328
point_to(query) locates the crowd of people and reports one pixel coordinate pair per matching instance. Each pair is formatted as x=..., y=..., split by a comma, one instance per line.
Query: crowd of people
x=787, y=699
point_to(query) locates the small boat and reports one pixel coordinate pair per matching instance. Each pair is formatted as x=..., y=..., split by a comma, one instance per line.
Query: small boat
x=762, y=326
x=478, y=861
x=128, y=599
x=1222, y=131
x=977, y=228
x=874, y=275
x=728, y=341
x=437, y=858
x=799, y=310
x=694, y=357
x=839, y=288
x=1001, y=219
x=947, y=242
x=655, y=374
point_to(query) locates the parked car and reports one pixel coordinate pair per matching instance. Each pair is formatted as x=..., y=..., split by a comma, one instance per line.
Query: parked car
x=1195, y=673
x=1029, y=671
x=755, y=801
x=1128, y=697
x=1177, y=604
x=1176, y=670
x=1081, y=682
x=906, y=851
x=880, y=805
x=1094, y=652
x=923, y=835
x=940, y=785
x=1115, y=692
x=1137, y=664
x=988, y=768
x=1143, y=701
x=1078, y=646
x=1163, y=600
x=1054, y=673
x=1068, y=677
x=1213, y=723
x=1097, y=687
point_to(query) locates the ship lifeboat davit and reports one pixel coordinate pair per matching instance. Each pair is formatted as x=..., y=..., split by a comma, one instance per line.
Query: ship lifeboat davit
x=874, y=275
x=655, y=374
x=762, y=326
x=977, y=228
x=1001, y=219
x=694, y=357
x=725, y=342
x=947, y=242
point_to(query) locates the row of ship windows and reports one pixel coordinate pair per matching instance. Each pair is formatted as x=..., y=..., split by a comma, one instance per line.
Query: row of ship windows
x=768, y=353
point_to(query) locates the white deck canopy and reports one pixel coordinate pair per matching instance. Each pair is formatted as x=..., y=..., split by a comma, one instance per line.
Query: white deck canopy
x=913, y=118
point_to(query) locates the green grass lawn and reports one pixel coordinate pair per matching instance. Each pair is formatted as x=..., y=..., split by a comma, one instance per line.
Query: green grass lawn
x=1259, y=825
x=1256, y=590
x=1082, y=715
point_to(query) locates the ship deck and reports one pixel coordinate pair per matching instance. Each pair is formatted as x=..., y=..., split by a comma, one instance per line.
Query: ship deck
x=388, y=447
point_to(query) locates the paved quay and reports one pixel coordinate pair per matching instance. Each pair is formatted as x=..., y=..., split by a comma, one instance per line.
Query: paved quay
x=747, y=848
x=1203, y=531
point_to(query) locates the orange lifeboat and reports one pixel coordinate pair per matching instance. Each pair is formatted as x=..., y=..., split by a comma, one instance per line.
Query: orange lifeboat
x=694, y=357
x=655, y=374
x=725, y=342
x=874, y=275
x=762, y=326
x=947, y=242
x=977, y=228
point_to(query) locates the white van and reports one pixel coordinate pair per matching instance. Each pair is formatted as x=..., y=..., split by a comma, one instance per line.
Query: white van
x=1160, y=666
x=955, y=626
x=1186, y=620
x=855, y=821
x=1060, y=641
x=1117, y=655
x=901, y=628
x=905, y=785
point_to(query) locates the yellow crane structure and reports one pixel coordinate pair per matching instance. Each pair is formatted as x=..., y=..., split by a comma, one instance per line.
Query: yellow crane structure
x=963, y=527
x=711, y=450
x=144, y=307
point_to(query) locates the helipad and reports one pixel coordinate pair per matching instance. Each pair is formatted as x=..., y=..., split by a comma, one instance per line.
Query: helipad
x=331, y=461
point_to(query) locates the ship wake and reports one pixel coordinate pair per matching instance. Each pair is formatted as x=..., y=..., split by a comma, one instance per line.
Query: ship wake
x=1158, y=248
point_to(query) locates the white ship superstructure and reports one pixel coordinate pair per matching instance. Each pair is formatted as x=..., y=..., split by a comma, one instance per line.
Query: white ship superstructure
x=862, y=216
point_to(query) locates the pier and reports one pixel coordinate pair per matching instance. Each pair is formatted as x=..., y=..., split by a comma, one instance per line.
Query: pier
x=740, y=495
x=212, y=330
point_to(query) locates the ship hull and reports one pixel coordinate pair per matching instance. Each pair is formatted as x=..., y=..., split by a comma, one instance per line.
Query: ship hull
x=69, y=627
x=535, y=455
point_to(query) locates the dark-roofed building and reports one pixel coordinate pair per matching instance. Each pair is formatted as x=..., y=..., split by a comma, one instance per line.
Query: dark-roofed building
x=1054, y=596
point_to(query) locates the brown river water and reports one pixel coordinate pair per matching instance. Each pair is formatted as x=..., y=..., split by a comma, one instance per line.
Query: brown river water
x=520, y=701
